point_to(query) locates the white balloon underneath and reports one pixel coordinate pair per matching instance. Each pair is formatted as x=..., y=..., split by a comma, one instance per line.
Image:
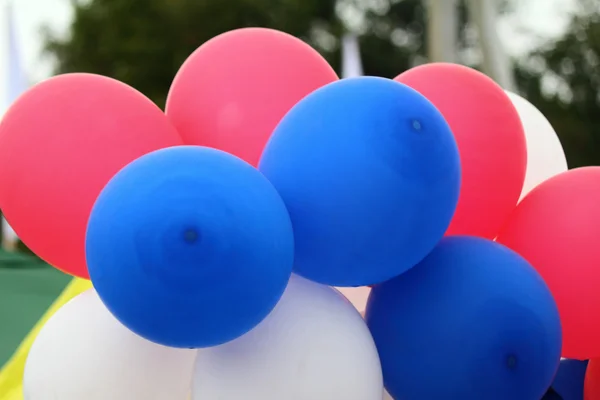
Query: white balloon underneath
x=359, y=296
x=545, y=155
x=83, y=352
x=314, y=345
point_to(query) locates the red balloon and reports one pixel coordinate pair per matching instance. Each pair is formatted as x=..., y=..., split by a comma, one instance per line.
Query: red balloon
x=556, y=227
x=591, y=386
x=232, y=92
x=60, y=143
x=490, y=139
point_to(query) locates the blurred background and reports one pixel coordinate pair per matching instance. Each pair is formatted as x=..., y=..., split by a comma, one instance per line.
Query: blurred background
x=547, y=50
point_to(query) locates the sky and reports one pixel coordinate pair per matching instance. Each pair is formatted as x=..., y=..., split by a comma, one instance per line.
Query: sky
x=520, y=32
x=30, y=16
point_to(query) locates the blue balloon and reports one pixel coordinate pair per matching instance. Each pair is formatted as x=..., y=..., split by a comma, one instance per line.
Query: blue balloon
x=569, y=379
x=370, y=173
x=472, y=321
x=189, y=247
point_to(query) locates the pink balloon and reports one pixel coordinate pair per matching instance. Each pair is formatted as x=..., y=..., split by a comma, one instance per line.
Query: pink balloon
x=556, y=228
x=232, y=92
x=60, y=143
x=490, y=139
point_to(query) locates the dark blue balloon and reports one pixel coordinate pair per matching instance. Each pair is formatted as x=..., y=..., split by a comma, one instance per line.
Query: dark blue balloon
x=552, y=395
x=472, y=321
x=569, y=379
x=370, y=173
x=189, y=247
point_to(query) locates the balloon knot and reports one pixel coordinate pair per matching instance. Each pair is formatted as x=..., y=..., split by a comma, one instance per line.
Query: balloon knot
x=190, y=235
x=511, y=361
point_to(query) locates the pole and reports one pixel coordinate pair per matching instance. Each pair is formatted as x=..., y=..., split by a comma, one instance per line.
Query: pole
x=442, y=30
x=496, y=64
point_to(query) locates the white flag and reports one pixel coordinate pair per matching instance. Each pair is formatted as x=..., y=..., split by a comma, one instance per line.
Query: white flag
x=15, y=85
x=351, y=60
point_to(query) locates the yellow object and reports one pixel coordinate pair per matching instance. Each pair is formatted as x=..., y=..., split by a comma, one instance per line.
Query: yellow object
x=11, y=375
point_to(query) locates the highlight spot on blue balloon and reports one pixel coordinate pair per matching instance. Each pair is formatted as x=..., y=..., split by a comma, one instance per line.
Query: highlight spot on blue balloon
x=473, y=320
x=370, y=173
x=189, y=247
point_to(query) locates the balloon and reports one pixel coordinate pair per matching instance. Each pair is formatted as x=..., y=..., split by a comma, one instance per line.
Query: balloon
x=189, y=247
x=472, y=321
x=60, y=143
x=556, y=228
x=545, y=155
x=592, y=381
x=231, y=93
x=314, y=345
x=83, y=352
x=490, y=139
x=370, y=174
x=568, y=382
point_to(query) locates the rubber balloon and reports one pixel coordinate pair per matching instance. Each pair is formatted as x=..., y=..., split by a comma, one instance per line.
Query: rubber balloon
x=545, y=155
x=568, y=383
x=231, y=93
x=189, y=246
x=556, y=228
x=490, y=139
x=472, y=321
x=314, y=345
x=60, y=143
x=370, y=173
x=83, y=352
x=592, y=381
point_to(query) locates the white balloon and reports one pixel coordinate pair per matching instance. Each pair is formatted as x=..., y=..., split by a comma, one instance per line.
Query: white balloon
x=545, y=155
x=359, y=296
x=83, y=352
x=313, y=345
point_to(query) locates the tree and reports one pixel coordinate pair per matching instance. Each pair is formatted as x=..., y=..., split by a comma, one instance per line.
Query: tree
x=563, y=80
x=144, y=42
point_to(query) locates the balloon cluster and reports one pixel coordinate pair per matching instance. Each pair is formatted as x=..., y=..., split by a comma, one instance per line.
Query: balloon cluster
x=213, y=232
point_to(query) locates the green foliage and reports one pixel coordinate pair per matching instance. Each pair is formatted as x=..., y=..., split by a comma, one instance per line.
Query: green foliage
x=570, y=66
x=22, y=248
x=143, y=43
